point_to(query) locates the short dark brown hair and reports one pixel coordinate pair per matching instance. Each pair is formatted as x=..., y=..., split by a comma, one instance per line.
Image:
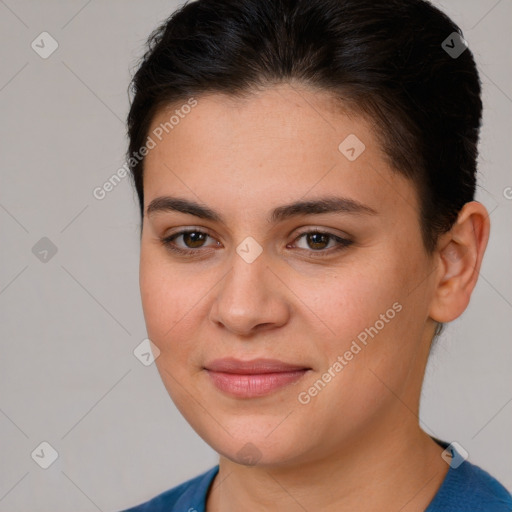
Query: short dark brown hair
x=383, y=58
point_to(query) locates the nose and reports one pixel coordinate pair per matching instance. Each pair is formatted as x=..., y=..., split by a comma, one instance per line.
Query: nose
x=251, y=298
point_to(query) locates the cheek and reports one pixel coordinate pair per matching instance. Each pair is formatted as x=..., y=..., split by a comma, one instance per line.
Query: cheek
x=352, y=299
x=176, y=301
x=166, y=302
x=368, y=318
x=170, y=311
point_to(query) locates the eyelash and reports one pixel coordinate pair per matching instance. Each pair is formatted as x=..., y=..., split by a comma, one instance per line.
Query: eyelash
x=343, y=243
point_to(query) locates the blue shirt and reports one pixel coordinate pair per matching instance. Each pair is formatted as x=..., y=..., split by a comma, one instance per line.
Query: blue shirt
x=465, y=488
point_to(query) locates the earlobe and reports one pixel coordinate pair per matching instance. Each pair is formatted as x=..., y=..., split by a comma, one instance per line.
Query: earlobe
x=460, y=253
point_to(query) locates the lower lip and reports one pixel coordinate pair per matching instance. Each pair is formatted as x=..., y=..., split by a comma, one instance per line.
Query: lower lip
x=253, y=385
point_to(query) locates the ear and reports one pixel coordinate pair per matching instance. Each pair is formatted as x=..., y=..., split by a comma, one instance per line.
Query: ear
x=459, y=256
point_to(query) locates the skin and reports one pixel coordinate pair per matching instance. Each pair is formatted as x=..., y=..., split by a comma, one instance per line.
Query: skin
x=357, y=444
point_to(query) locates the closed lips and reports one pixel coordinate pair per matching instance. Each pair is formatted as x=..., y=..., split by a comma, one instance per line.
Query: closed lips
x=253, y=367
x=252, y=379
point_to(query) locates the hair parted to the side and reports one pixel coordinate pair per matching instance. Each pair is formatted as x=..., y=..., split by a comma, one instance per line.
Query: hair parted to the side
x=381, y=58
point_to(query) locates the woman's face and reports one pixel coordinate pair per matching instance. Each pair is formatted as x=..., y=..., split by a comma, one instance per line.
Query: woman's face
x=353, y=316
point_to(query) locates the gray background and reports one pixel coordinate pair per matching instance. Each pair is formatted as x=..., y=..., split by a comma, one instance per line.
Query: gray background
x=69, y=325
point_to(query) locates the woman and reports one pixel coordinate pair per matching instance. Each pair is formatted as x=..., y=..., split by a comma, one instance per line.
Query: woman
x=306, y=173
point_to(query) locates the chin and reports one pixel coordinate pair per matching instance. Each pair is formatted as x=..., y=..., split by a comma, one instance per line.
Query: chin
x=253, y=444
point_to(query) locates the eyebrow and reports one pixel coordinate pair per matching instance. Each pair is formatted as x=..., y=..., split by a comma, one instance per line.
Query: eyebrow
x=329, y=204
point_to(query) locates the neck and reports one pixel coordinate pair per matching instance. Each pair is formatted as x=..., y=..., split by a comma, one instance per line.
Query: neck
x=395, y=468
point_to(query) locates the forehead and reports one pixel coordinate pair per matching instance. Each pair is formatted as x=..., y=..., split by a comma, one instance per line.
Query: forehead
x=280, y=143
x=283, y=113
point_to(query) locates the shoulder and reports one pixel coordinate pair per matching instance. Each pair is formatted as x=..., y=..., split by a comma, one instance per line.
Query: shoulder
x=469, y=488
x=187, y=497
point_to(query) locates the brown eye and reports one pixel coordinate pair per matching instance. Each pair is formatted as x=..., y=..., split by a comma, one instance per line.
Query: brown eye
x=318, y=241
x=194, y=239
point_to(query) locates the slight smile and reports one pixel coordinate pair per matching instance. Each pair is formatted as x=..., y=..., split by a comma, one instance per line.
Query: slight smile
x=255, y=378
